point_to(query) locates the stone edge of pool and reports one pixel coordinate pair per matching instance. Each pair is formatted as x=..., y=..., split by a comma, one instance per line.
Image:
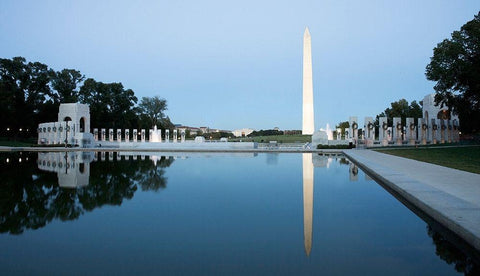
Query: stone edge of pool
x=456, y=214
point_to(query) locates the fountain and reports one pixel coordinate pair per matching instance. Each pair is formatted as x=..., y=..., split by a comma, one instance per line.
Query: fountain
x=156, y=135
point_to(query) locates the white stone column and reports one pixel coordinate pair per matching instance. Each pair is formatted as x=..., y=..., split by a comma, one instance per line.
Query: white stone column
x=95, y=134
x=142, y=133
x=353, y=121
x=422, y=131
x=135, y=135
x=442, y=131
x=411, y=131
x=182, y=134
x=339, y=134
x=167, y=135
x=110, y=135
x=103, y=134
x=127, y=135
x=397, y=130
x=434, y=132
x=150, y=135
x=175, y=135
x=383, y=127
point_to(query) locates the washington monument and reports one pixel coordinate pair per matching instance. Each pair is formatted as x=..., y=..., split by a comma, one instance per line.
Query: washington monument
x=308, y=126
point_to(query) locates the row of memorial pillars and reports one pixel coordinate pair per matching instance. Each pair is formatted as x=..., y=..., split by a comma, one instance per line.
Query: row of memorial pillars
x=435, y=131
x=136, y=135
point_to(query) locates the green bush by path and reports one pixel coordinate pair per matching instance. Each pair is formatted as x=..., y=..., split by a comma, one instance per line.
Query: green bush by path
x=466, y=158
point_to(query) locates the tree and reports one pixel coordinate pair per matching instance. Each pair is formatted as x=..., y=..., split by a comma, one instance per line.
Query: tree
x=342, y=126
x=65, y=83
x=455, y=66
x=402, y=109
x=23, y=88
x=153, y=109
x=111, y=106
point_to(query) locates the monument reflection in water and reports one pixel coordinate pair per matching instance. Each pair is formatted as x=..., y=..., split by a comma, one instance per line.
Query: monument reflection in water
x=72, y=168
x=309, y=162
x=228, y=214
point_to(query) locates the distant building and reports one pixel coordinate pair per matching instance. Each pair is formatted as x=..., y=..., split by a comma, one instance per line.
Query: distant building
x=242, y=132
x=432, y=111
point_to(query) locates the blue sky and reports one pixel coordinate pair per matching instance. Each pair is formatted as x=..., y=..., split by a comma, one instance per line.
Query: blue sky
x=235, y=64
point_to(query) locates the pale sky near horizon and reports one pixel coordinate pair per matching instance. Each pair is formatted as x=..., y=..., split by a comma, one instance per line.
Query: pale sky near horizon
x=238, y=64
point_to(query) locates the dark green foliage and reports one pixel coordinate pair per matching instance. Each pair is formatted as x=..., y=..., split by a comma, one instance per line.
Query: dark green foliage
x=65, y=83
x=32, y=204
x=455, y=66
x=153, y=110
x=402, y=109
x=30, y=93
x=349, y=146
x=111, y=106
x=24, y=87
x=267, y=132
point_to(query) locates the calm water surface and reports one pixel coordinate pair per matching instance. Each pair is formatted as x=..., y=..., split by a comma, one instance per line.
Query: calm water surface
x=247, y=214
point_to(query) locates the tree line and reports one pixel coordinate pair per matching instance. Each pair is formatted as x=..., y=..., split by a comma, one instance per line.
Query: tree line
x=31, y=92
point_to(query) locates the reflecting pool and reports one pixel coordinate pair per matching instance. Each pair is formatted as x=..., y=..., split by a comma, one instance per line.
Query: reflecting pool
x=183, y=213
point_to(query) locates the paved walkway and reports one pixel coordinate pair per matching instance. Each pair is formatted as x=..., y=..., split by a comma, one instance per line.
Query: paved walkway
x=450, y=196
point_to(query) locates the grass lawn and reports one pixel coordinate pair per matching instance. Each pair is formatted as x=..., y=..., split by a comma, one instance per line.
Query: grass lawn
x=462, y=158
x=279, y=138
x=17, y=143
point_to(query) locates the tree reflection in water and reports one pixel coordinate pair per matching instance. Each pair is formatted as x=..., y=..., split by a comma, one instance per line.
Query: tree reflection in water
x=30, y=198
x=452, y=255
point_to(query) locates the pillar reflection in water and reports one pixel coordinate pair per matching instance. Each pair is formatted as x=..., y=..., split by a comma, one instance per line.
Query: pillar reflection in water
x=72, y=168
x=307, y=201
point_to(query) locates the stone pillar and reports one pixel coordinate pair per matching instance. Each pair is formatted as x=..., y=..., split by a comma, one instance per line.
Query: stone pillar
x=455, y=131
x=353, y=129
x=127, y=135
x=95, y=134
x=119, y=157
x=135, y=157
x=150, y=135
x=119, y=135
x=411, y=131
x=102, y=155
x=135, y=135
x=383, y=128
x=450, y=131
x=142, y=133
x=369, y=131
x=434, y=131
x=182, y=134
x=422, y=131
x=442, y=131
x=110, y=135
x=175, y=135
x=103, y=134
x=397, y=130
x=339, y=134
x=167, y=135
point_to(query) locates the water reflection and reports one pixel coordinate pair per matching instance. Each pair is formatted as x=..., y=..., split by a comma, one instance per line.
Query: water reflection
x=32, y=199
x=35, y=197
x=307, y=201
x=72, y=168
x=448, y=252
x=310, y=161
